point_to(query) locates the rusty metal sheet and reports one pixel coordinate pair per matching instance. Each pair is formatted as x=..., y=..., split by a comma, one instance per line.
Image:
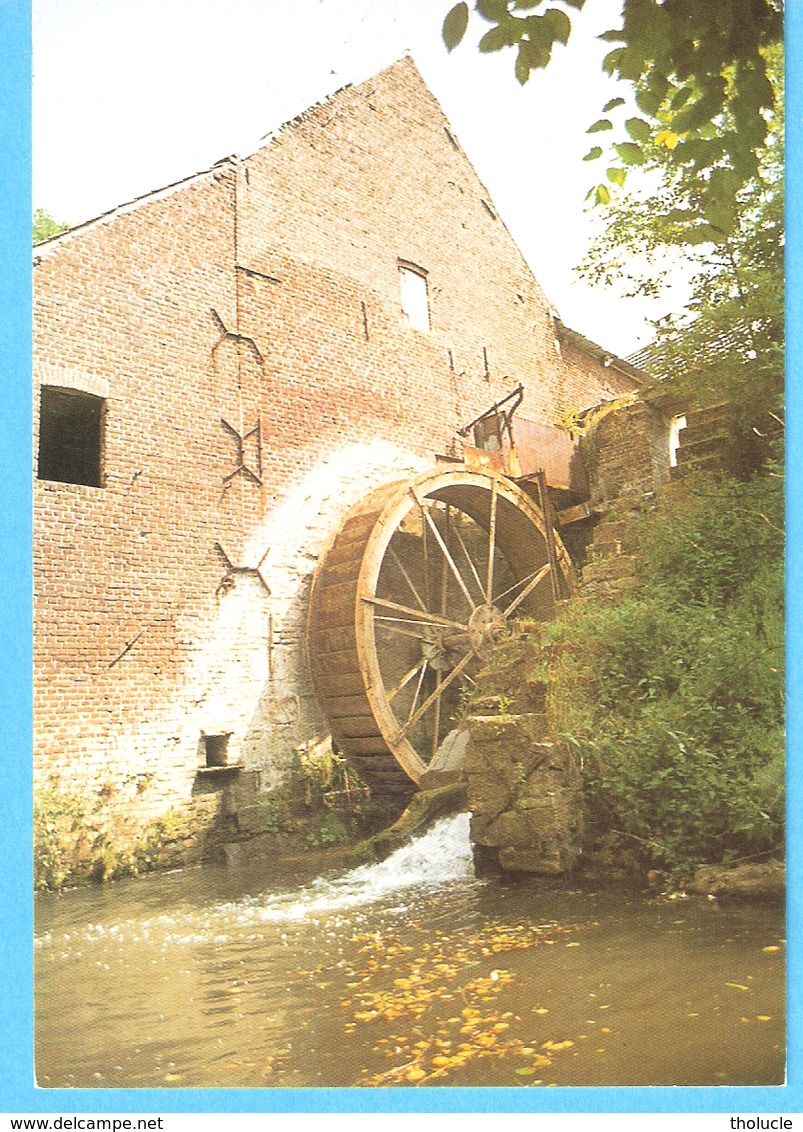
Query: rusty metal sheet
x=554, y=450
x=477, y=459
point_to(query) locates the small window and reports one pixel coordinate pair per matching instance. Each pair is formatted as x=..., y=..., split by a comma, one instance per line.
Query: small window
x=488, y=433
x=70, y=437
x=216, y=749
x=676, y=426
x=414, y=298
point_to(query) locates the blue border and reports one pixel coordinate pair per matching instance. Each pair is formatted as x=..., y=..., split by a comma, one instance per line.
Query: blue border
x=17, y=1094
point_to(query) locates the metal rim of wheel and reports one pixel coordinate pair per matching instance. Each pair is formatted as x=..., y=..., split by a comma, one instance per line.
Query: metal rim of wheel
x=421, y=577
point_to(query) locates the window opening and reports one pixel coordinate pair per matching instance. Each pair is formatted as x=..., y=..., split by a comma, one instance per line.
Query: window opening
x=414, y=298
x=70, y=437
x=676, y=425
x=488, y=433
x=216, y=749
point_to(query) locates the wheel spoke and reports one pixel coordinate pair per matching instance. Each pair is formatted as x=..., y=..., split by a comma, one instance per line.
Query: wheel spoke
x=406, y=576
x=436, y=722
x=394, y=625
x=472, y=567
x=394, y=691
x=444, y=549
x=491, y=541
x=417, y=690
x=539, y=577
x=444, y=684
x=417, y=615
x=444, y=566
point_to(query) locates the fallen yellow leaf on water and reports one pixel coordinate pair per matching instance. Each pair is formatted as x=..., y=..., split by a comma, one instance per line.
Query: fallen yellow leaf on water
x=415, y=1074
x=737, y=986
x=771, y=948
x=540, y=1010
x=556, y=1045
x=172, y=1076
x=605, y=1030
x=764, y=1017
x=572, y=944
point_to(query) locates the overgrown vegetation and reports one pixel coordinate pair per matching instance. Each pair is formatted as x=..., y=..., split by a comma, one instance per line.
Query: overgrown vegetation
x=76, y=840
x=322, y=804
x=674, y=698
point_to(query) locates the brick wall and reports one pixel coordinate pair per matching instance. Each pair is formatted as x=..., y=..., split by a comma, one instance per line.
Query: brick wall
x=264, y=292
x=627, y=450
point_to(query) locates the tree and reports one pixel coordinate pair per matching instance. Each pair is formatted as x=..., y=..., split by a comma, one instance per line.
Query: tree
x=44, y=226
x=728, y=344
x=699, y=73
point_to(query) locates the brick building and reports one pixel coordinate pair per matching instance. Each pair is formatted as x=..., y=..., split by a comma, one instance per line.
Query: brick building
x=242, y=356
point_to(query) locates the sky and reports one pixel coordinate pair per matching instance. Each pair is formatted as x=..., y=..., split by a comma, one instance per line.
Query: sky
x=132, y=95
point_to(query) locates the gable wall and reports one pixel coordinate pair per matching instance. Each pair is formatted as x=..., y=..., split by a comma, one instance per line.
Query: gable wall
x=145, y=636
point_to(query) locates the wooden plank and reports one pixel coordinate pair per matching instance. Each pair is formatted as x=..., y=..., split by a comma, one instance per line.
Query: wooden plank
x=373, y=747
x=574, y=514
x=355, y=727
x=341, y=597
x=337, y=683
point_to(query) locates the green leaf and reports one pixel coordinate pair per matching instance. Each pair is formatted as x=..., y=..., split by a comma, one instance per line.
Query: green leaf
x=614, y=36
x=454, y=26
x=574, y=3
x=704, y=234
x=559, y=25
x=522, y=67
x=630, y=153
x=630, y=64
x=696, y=114
x=648, y=101
x=638, y=129
x=680, y=98
x=497, y=38
x=492, y=9
x=614, y=102
x=524, y=5
x=611, y=60
x=603, y=195
x=599, y=126
x=616, y=175
x=593, y=154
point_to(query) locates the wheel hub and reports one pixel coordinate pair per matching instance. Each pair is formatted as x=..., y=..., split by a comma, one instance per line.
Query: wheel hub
x=484, y=626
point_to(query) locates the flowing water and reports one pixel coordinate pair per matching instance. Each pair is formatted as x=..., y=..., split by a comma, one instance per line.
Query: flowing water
x=407, y=972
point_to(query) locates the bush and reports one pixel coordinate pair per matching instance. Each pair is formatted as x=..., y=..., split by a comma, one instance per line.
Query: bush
x=674, y=698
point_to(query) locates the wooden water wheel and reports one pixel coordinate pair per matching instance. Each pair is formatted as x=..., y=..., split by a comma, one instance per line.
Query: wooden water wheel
x=405, y=606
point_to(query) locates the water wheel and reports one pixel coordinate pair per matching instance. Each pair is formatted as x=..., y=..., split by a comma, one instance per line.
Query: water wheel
x=405, y=605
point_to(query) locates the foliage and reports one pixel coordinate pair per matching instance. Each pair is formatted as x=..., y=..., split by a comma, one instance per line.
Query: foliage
x=728, y=346
x=44, y=226
x=698, y=71
x=673, y=698
x=331, y=831
x=74, y=839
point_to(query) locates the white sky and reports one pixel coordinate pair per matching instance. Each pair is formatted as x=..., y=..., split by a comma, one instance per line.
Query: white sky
x=131, y=95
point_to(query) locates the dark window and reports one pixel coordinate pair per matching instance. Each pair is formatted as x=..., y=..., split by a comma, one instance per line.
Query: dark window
x=70, y=437
x=488, y=433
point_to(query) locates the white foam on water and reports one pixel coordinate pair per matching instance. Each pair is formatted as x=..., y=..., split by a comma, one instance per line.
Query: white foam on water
x=440, y=856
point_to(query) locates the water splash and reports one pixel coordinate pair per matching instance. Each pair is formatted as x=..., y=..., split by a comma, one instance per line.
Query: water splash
x=440, y=856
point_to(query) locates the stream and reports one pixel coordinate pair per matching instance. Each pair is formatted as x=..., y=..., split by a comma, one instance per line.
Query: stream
x=407, y=972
